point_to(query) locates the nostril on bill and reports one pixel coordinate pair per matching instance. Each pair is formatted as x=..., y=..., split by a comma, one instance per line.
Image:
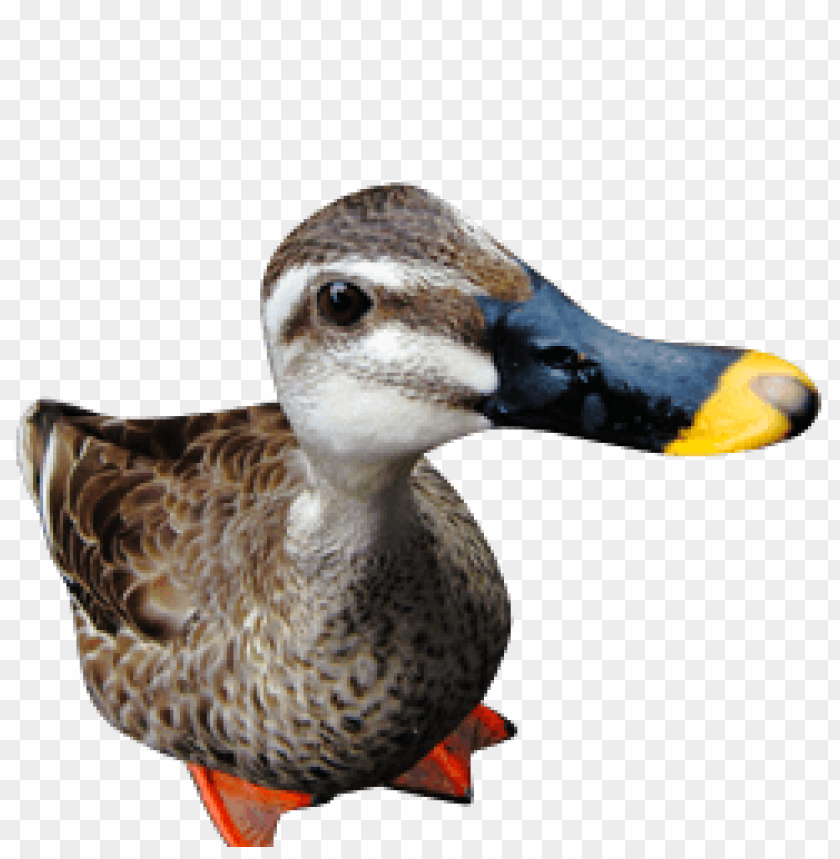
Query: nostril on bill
x=792, y=397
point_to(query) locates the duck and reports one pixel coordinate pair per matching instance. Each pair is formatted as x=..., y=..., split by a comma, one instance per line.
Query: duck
x=288, y=597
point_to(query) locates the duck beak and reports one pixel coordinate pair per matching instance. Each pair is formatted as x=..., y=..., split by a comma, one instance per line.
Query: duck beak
x=563, y=371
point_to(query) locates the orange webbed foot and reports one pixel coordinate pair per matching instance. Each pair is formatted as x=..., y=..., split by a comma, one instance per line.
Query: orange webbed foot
x=445, y=771
x=245, y=814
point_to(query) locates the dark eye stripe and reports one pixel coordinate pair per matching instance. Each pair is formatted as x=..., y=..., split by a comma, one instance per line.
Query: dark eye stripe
x=342, y=303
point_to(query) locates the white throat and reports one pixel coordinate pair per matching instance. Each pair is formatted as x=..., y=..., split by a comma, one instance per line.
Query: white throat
x=349, y=506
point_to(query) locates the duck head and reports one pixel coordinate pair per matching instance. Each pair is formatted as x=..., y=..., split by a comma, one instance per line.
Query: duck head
x=394, y=325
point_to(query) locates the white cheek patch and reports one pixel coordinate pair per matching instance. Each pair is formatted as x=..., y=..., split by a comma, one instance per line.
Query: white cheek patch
x=438, y=358
x=347, y=417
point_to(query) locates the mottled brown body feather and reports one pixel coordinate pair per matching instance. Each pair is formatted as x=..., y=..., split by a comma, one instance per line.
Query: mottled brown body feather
x=199, y=637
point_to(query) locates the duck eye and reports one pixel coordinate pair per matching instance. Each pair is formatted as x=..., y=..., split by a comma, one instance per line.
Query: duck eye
x=343, y=303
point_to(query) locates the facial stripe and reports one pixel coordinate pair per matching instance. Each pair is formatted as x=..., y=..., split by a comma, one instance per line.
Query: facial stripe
x=445, y=310
x=285, y=310
x=400, y=276
x=286, y=298
x=446, y=306
x=436, y=359
x=394, y=275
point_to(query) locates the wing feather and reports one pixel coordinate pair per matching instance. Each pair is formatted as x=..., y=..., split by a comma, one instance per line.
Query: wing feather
x=121, y=501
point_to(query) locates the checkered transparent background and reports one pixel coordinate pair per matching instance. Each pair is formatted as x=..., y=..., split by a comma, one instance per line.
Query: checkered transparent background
x=674, y=663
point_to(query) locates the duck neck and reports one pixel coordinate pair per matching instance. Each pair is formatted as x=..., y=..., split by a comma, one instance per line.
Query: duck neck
x=358, y=507
x=362, y=480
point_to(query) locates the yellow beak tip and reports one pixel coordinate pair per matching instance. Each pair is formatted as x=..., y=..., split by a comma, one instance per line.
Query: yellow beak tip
x=760, y=400
x=794, y=396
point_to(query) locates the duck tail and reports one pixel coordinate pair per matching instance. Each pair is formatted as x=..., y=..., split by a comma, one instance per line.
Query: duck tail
x=33, y=441
x=33, y=434
x=46, y=459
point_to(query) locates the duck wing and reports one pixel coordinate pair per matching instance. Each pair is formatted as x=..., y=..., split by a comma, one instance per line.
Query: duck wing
x=119, y=498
